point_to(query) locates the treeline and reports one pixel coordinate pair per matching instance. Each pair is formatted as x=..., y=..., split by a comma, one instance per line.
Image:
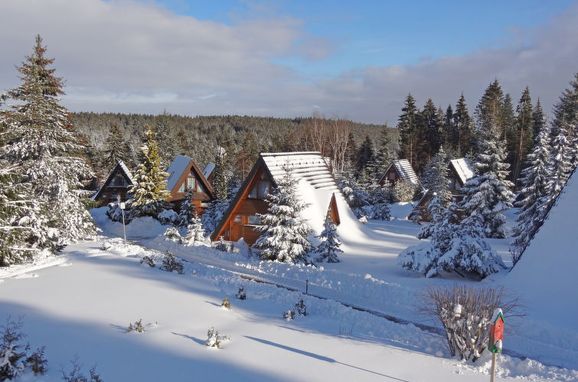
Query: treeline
x=112, y=136
x=424, y=131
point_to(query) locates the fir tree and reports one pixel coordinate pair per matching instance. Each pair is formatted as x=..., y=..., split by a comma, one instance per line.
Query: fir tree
x=40, y=140
x=150, y=192
x=283, y=231
x=329, y=247
x=365, y=156
x=534, y=186
x=195, y=231
x=488, y=194
x=431, y=136
x=566, y=117
x=221, y=175
x=382, y=156
x=489, y=114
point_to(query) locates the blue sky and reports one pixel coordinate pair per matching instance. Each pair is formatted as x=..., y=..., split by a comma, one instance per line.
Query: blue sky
x=384, y=33
x=345, y=59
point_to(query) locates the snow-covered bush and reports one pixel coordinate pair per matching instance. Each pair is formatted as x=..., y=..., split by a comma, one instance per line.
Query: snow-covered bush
x=298, y=310
x=172, y=234
x=226, y=304
x=328, y=249
x=76, y=375
x=137, y=326
x=195, y=232
x=168, y=216
x=148, y=260
x=403, y=191
x=465, y=315
x=222, y=245
x=454, y=246
x=214, y=339
x=171, y=263
x=15, y=356
x=241, y=294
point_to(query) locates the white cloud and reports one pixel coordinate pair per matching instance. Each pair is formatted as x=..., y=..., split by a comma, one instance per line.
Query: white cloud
x=135, y=57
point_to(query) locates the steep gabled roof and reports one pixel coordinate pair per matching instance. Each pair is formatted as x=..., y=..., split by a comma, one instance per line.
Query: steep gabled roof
x=315, y=186
x=462, y=169
x=120, y=166
x=545, y=276
x=180, y=165
x=208, y=170
x=405, y=171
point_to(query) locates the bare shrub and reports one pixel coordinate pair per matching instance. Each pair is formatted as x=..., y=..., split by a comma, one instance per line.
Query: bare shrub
x=76, y=374
x=465, y=315
x=214, y=339
x=137, y=326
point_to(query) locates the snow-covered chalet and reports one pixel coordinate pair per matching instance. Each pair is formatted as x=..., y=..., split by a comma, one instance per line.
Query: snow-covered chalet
x=315, y=186
x=185, y=176
x=117, y=184
x=399, y=169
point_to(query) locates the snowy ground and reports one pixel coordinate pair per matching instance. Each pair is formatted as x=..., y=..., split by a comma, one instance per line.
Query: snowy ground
x=82, y=302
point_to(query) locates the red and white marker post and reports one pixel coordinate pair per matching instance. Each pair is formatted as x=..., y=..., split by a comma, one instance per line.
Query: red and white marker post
x=496, y=337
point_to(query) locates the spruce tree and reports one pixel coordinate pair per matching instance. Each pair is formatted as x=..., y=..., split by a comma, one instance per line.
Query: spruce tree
x=489, y=113
x=435, y=176
x=407, y=126
x=40, y=140
x=328, y=249
x=284, y=232
x=150, y=192
x=566, y=117
x=534, y=188
x=560, y=164
x=383, y=155
x=488, y=194
x=463, y=126
x=430, y=135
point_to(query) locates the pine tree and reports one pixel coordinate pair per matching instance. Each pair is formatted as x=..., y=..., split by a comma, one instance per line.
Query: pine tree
x=463, y=128
x=150, y=192
x=195, y=231
x=283, y=231
x=566, y=117
x=534, y=186
x=329, y=247
x=40, y=140
x=488, y=194
x=430, y=135
x=116, y=148
x=489, y=114
x=221, y=176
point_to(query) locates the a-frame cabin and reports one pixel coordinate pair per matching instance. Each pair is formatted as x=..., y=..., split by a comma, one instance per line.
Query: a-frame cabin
x=315, y=186
x=117, y=184
x=399, y=169
x=185, y=176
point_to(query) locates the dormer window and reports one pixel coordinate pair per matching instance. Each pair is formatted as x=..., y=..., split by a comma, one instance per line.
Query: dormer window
x=118, y=181
x=260, y=190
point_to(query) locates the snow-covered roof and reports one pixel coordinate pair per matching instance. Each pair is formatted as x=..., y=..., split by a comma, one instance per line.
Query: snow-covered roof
x=208, y=170
x=315, y=186
x=463, y=169
x=545, y=277
x=176, y=169
x=405, y=171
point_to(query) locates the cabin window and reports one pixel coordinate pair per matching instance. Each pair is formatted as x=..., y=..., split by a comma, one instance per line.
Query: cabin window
x=182, y=188
x=260, y=190
x=237, y=219
x=118, y=181
x=254, y=220
x=191, y=183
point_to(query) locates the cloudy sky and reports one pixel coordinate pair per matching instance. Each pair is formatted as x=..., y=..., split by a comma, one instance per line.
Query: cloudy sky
x=350, y=59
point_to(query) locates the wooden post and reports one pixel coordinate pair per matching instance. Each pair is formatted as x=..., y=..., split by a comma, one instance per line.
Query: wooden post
x=493, y=370
x=306, y=286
